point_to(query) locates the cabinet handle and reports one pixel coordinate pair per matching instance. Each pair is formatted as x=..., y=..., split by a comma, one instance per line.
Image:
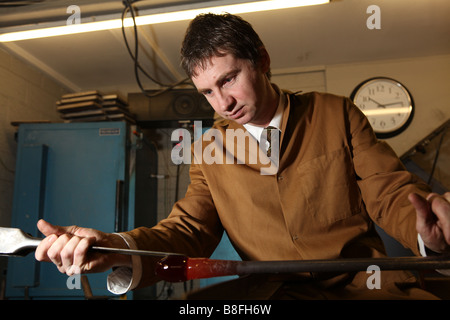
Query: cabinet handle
x=118, y=223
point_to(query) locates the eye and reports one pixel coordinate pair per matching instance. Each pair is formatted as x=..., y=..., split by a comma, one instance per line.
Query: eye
x=228, y=80
x=207, y=92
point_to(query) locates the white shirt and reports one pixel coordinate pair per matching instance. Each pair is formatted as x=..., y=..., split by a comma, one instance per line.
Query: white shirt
x=256, y=131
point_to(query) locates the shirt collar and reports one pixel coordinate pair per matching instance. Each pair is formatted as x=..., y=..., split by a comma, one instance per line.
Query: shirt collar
x=256, y=131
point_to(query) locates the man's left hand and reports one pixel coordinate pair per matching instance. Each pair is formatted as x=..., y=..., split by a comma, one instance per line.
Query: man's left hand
x=433, y=220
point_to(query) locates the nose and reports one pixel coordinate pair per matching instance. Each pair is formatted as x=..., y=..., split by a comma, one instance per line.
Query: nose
x=225, y=102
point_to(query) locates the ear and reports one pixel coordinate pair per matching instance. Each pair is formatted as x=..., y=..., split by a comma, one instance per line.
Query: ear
x=264, y=60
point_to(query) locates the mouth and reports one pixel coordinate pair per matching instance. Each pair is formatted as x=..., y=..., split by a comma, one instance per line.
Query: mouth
x=236, y=114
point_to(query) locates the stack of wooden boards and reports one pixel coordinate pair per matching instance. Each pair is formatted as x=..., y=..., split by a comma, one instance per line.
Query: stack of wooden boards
x=93, y=106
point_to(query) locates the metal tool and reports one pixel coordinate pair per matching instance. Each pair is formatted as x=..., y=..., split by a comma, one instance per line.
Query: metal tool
x=176, y=267
x=15, y=242
x=179, y=268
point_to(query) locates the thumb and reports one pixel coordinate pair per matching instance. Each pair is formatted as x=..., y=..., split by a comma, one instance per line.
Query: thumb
x=425, y=217
x=47, y=228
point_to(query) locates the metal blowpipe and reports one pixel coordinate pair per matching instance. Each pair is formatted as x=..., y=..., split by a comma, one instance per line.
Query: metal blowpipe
x=175, y=267
x=15, y=242
x=181, y=268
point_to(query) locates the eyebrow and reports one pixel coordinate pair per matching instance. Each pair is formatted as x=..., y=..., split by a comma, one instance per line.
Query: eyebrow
x=221, y=79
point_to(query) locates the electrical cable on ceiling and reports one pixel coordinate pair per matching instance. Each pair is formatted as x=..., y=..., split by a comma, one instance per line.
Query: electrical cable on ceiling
x=137, y=67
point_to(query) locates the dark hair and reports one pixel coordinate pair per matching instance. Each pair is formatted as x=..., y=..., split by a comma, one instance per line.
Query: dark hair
x=211, y=35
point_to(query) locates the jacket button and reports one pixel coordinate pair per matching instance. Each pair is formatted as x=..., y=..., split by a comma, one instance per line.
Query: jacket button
x=280, y=178
x=294, y=237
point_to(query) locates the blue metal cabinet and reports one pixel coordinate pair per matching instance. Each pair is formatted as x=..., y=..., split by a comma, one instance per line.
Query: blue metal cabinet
x=69, y=174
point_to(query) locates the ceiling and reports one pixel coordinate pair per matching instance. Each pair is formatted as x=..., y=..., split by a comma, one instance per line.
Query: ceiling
x=302, y=37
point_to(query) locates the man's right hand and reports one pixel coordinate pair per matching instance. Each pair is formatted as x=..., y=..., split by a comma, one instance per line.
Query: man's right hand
x=68, y=248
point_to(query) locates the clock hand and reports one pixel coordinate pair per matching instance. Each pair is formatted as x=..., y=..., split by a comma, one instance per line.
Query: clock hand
x=379, y=104
x=390, y=104
x=386, y=104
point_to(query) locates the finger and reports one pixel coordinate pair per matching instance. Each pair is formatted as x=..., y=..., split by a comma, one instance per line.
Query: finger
x=41, y=250
x=54, y=252
x=67, y=253
x=73, y=269
x=447, y=196
x=81, y=251
x=440, y=206
x=431, y=195
x=424, y=215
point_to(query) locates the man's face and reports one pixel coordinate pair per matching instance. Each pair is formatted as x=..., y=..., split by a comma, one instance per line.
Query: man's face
x=235, y=88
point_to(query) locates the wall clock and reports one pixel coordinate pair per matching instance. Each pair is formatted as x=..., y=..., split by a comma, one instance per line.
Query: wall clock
x=387, y=104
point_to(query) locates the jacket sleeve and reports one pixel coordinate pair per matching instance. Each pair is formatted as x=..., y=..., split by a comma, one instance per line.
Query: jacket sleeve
x=383, y=181
x=192, y=228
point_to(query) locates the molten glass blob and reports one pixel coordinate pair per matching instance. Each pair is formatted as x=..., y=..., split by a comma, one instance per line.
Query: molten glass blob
x=177, y=268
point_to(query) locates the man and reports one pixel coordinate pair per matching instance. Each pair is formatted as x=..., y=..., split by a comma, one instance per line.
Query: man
x=333, y=179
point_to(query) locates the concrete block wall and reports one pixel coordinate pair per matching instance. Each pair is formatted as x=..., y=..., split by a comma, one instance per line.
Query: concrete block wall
x=26, y=94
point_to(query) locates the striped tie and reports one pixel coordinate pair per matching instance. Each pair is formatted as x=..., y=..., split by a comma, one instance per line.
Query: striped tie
x=268, y=139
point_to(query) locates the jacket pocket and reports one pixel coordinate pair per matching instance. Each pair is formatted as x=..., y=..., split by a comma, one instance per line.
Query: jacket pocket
x=329, y=186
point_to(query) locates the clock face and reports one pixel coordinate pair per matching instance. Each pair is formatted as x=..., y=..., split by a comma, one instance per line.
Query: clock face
x=386, y=103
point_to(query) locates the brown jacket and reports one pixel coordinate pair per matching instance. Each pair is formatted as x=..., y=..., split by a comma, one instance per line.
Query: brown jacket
x=334, y=179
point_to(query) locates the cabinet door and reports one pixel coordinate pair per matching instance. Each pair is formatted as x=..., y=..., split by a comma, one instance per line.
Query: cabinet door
x=68, y=174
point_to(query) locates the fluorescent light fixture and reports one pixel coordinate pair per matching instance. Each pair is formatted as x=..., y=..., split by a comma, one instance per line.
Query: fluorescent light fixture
x=239, y=8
